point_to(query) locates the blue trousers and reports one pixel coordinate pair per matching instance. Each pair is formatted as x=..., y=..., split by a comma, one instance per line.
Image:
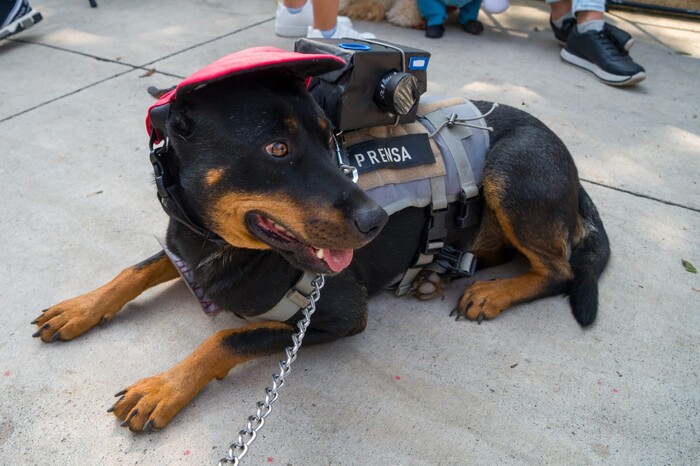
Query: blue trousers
x=435, y=13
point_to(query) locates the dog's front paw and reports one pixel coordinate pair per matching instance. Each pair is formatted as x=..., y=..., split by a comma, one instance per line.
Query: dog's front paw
x=151, y=403
x=72, y=318
x=481, y=300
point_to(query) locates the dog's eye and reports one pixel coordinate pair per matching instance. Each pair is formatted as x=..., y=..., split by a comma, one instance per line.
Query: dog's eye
x=278, y=149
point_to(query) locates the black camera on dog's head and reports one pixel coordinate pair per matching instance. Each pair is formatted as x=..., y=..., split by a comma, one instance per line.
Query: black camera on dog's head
x=380, y=84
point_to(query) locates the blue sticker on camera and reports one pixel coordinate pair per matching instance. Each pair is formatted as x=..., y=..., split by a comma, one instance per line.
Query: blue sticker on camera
x=349, y=46
x=418, y=63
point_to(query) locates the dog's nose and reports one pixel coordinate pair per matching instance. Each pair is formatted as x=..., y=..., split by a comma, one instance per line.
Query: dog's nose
x=370, y=220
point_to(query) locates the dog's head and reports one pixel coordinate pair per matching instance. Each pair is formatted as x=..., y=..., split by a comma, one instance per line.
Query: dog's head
x=256, y=163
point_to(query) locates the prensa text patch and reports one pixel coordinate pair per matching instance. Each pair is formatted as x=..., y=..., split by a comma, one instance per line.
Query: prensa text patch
x=396, y=153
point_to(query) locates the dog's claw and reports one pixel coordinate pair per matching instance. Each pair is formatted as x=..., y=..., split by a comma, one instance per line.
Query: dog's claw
x=120, y=393
x=33, y=321
x=38, y=332
x=45, y=310
x=102, y=321
x=56, y=336
x=147, y=426
x=454, y=311
x=128, y=419
x=112, y=408
x=480, y=318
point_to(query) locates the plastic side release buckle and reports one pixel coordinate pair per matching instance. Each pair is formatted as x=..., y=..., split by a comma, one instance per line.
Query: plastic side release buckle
x=157, y=158
x=456, y=262
x=470, y=211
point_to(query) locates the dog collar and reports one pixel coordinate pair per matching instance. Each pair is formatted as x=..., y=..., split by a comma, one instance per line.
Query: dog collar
x=233, y=66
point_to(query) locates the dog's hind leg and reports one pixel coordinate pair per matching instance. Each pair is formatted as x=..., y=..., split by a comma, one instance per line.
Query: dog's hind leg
x=75, y=316
x=537, y=233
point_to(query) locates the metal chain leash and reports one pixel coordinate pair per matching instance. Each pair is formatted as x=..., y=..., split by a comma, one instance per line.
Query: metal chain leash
x=246, y=437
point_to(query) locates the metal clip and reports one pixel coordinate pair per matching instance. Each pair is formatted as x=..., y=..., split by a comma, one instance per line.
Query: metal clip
x=348, y=170
x=455, y=120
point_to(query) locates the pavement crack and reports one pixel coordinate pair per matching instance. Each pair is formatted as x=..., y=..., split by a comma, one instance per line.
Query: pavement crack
x=644, y=196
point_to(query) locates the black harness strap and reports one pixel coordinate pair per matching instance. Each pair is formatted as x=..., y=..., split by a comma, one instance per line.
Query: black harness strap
x=166, y=182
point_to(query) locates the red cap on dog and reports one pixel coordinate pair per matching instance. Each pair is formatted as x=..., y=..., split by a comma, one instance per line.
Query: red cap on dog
x=248, y=61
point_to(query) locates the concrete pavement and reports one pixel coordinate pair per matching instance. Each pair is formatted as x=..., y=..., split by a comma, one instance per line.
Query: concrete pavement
x=416, y=387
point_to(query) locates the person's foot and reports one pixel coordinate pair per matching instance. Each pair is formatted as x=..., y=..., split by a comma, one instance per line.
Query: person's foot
x=16, y=16
x=562, y=33
x=473, y=27
x=297, y=24
x=599, y=53
x=435, y=32
x=341, y=32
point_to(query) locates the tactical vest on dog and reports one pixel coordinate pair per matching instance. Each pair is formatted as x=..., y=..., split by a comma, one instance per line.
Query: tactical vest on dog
x=396, y=174
x=435, y=162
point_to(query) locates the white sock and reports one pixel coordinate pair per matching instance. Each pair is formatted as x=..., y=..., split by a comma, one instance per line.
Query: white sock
x=560, y=22
x=593, y=25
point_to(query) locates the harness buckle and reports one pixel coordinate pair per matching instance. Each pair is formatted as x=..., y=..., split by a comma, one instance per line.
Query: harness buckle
x=456, y=262
x=435, y=231
x=469, y=210
x=157, y=158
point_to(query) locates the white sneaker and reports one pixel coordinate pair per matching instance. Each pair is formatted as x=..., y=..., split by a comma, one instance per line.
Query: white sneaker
x=341, y=31
x=296, y=25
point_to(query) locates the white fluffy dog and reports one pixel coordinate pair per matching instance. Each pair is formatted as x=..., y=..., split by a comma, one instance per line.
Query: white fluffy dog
x=399, y=12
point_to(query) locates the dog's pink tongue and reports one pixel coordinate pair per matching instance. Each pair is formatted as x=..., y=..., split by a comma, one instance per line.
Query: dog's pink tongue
x=337, y=259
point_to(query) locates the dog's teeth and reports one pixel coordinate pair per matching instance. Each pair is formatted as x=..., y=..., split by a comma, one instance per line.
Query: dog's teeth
x=319, y=253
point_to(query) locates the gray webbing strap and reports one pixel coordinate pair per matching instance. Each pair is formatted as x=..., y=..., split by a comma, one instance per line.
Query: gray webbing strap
x=438, y=190
x=294, y=300
x=406, y=282
x=453, y=139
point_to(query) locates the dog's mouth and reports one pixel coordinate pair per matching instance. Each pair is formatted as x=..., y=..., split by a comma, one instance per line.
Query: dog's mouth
x=299, y=253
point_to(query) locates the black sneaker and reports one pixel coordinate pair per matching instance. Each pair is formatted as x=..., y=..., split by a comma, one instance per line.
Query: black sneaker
x=599, y=53
x=625, y=40
x=473, y=27
x=16, y=16
x=435, y=32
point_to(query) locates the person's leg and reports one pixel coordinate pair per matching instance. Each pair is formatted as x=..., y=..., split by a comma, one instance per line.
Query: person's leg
x=294, y=4
x=325, y=13
x=589, y=14
x=559, y=8
x=562, y=20
x=434, y=13
x=467, y=17
x=293, y=18
x=327, y=25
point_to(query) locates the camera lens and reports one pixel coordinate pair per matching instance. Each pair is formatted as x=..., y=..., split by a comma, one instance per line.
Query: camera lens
x=397, y=93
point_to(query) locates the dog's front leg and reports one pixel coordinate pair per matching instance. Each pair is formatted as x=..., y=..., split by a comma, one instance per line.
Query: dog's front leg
x=151, y=403
x=75, y=316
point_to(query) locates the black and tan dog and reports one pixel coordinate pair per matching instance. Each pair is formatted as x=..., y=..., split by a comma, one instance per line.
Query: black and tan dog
x=255, y=163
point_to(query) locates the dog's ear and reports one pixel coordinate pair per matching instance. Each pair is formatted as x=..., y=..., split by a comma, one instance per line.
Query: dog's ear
x=182, y=124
